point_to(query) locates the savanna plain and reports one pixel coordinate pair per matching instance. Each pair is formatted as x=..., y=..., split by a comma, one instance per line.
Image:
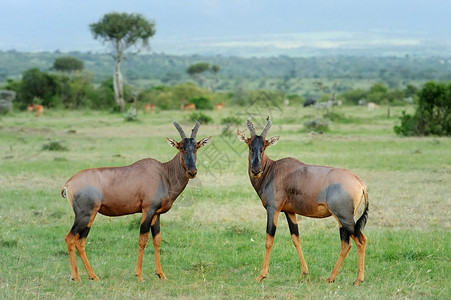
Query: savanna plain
x=213, y=238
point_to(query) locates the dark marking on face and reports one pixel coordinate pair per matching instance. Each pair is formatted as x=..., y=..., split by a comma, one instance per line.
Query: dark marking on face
x=83, y=204
x=256, y=149
x=189, y=156
x=340, y=203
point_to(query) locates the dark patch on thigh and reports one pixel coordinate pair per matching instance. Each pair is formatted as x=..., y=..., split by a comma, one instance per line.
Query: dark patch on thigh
x=340, y=203
x=84, y=202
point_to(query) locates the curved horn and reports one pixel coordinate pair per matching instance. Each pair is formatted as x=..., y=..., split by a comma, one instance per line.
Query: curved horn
x=265, y=131
x=195, y=129
x=180, y=130
x=250, y=126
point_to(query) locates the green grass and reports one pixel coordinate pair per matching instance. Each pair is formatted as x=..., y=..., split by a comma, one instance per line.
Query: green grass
x=213, y=237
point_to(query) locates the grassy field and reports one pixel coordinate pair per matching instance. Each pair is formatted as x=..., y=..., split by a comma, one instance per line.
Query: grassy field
x=213, y=237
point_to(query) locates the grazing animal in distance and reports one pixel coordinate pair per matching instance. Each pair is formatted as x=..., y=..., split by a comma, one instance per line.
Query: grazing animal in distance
x=219, y=106
x=37, y=108
x=290, y=186
x=309, y=102
x=149, y=107
x=188, y=107
x=147, y=186
x=372, y=105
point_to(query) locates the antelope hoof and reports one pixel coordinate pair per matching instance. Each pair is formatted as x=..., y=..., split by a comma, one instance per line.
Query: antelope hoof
x=76, y=279
x=95, y=278
x=260, y=278
x=161, y=276
x=140, y=278
x=303, y=275
x=329, y=280
x=357, y=282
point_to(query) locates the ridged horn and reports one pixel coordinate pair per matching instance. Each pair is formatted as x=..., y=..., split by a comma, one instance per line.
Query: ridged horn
x=195, y=129
x=180, y=130
x=268, y=126
x=250, y=126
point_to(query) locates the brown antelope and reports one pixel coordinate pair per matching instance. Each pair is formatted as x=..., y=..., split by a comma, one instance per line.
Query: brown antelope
x=39, y=109
x=372, y=106
x=219, y=106
x=149, y=107
x=290, y=186
x=188, y=107
x=147, y=186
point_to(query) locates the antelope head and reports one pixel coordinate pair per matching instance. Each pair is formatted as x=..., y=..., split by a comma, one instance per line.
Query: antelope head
x=257, y=145
x=188, y=148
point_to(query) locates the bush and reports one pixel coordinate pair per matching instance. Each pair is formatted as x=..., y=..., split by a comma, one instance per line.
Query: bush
x=131, y=115
x=433, y=113
x=407, y=127
x=201, y=117
x=201, y=103
x=231, y=120
x=317, y=124
x=54, y=146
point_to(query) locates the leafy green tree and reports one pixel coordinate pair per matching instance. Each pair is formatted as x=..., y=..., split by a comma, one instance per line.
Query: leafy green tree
x=68, y=64
x=433, y=113
x=37, y=84
x=196, y=70
x=122, y=32
x=201, y=102
x=353, y=96
x=215, y=69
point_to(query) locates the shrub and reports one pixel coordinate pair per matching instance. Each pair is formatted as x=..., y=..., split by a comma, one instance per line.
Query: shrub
x=54, y=146
x=201, y=103
x=131, y=115
x=317, y=124
x=201, y=117
x=231, y=120
x=407, y=127
x=433, y=113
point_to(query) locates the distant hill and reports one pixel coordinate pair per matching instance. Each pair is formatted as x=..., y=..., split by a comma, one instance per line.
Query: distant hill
x=258, y=72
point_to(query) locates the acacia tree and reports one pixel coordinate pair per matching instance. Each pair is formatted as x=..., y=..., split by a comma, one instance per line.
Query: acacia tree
x=67, y=64
x=122, y=31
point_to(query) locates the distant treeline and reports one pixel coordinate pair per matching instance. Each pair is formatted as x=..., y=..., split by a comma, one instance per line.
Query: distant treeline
x=171, y=70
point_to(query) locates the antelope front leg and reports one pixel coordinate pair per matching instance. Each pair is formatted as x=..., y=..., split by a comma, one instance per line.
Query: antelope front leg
x=143, y=238
x=272, y=217
x=156, y=238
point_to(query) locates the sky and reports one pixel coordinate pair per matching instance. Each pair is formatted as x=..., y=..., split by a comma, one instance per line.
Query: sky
x=189, y=27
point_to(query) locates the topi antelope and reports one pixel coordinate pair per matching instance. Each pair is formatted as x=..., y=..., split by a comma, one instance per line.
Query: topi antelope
x=147, y=186
x=293, y=187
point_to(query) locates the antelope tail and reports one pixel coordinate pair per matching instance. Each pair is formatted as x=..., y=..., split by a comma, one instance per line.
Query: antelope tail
x=361, y=222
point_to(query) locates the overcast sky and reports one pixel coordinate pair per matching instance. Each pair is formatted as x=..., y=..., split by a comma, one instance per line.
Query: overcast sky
x=35, y=25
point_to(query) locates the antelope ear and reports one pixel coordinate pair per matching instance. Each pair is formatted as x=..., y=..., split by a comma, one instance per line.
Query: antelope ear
x=273, y=140
x=203, y=142
x=241, y=136
x=172, y=143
